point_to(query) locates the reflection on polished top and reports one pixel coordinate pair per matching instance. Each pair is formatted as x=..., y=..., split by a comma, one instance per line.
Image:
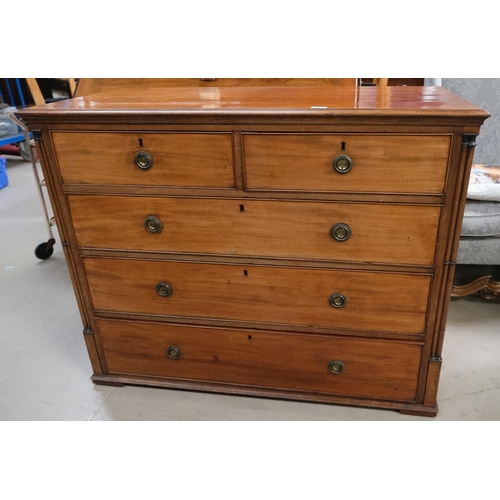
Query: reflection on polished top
x=307, y=101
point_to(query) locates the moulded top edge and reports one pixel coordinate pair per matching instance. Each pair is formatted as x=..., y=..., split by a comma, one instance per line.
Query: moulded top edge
x=262, y=101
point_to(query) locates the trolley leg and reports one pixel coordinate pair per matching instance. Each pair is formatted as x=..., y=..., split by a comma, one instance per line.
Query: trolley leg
x=43, y=250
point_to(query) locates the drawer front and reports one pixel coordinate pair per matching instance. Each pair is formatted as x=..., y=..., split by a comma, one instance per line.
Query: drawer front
x=176, y=159
x=301, y=230
x=378, y=369
x=380, y=163
x=390, y=302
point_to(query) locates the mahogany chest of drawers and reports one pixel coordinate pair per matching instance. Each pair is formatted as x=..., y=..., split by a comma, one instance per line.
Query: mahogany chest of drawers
x=287, y=242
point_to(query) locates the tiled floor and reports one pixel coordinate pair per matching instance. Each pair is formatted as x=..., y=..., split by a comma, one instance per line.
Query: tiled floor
x=45, y=372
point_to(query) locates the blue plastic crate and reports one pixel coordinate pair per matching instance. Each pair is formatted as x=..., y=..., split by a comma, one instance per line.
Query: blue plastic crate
x=3, y=173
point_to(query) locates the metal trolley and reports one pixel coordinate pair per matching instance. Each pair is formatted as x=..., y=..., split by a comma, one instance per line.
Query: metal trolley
x=44, y=250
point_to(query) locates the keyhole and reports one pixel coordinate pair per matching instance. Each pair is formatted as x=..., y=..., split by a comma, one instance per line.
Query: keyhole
x=342, y=146
x=249, y=338
x=245, y=273
x=242, y=208
x=140, y=143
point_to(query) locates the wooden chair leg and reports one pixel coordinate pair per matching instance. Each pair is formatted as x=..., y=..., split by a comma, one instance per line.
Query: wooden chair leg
x=72, y=86
x=381, y=82
x=487, y=288
x=36, y=93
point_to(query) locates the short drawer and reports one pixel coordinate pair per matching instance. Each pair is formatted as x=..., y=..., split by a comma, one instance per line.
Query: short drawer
x=362, y=368
x=150, y=159
x=376, y=164
x=302, y=230
x=390, y=302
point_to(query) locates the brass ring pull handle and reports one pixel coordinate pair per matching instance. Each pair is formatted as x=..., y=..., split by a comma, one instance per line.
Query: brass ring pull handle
x=343, y=164
x=173, y=352
x=143, y=160
x=336, y=366
x=164, y=289
x=338, y=300
x=341, y=232
x=153, y=224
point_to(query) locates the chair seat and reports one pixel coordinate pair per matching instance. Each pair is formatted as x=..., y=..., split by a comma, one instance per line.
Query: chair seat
x=479, y=251
x=481, y=218
x=480, y=237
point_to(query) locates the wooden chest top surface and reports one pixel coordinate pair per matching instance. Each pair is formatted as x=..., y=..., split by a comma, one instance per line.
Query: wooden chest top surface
x=270, y=101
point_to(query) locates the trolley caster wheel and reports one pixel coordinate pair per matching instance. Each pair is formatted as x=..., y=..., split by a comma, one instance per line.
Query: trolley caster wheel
x=45, y=250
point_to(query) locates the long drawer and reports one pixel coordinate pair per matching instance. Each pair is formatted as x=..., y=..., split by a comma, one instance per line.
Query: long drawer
x=150, y=159
x=395, y=234
x=379, y=163
x=389, y=302
x=362, y=368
